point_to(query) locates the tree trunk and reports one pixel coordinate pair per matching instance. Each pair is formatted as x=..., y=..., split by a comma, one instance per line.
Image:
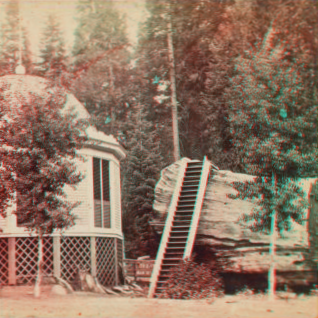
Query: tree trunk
x=174, y=103
x=37, y=291
x=93, y=6
x=272, y=268
x=272, y=249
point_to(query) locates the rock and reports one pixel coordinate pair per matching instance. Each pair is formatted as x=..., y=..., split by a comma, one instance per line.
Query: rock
x=58, y=290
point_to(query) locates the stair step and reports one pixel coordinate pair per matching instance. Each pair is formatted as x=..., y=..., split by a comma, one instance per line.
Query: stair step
x=187, y=197
x=178, y=227
x=189, y=187
x=195, y=162
x=183, y=216
x=186, y=182
x=192, y=177
x=194, y=169
x=176, y=243
x=177, y=232
x=174, y=255
x=187, y=192
x=186, y=200
x=186, y=206
x=174, y=248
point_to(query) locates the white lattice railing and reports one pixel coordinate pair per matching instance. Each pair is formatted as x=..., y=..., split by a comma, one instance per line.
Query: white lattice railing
x=197, y=208
x=167, y=228
x=75, y=253
x=106, y=261
x=4, y=265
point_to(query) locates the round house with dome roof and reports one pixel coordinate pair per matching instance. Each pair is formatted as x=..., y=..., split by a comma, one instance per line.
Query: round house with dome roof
x=95, y=242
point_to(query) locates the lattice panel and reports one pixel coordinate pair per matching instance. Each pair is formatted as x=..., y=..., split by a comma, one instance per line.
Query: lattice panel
x=106, y=258
x=75, y=252
x=4, y=266
x=26, y=259
x=120, y=255
x=47, y=267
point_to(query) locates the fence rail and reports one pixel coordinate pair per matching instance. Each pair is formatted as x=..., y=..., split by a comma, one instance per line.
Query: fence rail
x=141, y=270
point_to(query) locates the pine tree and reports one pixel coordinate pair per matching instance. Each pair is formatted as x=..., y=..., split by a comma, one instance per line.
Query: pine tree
x=272, y=118
x=37, y=150
x=243, y=25
x=12, y=30
x=141, y=173
x=52, y=52
x=101, y=64
x=192, y=24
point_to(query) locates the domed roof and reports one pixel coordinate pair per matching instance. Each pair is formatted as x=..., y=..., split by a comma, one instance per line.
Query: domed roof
x=16, y=88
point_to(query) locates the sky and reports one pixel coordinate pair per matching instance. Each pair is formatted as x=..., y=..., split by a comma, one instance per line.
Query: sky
x=35, y=12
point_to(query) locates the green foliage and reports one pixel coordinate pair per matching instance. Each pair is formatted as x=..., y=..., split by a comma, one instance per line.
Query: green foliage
x=52, y=53
x=273, y=127
x=190, y=280
x=140, y=174
x=100, y=69
x=10, y=42
x=193, y=23
x=38, y=147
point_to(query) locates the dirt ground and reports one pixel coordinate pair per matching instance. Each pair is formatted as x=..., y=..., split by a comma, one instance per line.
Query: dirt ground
x=19, y=302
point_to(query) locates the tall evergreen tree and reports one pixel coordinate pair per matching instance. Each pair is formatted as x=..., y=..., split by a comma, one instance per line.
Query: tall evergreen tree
x=54, y=61
x=141, y=173
x=273, y=121
x=242, y=26
x=101, y=60
x=191, y=23
x=13, y=36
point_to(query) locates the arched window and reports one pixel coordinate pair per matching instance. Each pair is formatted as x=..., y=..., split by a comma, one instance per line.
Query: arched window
x=101, y=193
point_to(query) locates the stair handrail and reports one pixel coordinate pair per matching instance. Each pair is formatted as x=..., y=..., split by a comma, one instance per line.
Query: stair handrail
x=206, y=166
x=167, y=228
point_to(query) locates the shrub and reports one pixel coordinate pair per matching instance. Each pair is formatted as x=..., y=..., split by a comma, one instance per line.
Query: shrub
x=190, y=280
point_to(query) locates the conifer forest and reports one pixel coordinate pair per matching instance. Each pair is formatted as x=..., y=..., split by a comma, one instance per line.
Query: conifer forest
x=235, y=81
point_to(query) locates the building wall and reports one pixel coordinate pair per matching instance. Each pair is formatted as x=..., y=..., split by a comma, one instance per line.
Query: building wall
x=83, y=192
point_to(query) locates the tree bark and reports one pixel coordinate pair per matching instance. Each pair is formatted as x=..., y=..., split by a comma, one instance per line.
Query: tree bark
x=174, y=102
x=37, y=290
x=272, y=248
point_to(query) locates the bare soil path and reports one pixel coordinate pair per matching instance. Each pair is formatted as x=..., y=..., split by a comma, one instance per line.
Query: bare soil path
x=19, y=302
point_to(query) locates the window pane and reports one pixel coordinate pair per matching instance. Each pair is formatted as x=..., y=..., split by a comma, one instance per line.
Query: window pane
x=96, y=176
x=105, y=180
x=106, y=209
x=106, y=196
x=97, y=193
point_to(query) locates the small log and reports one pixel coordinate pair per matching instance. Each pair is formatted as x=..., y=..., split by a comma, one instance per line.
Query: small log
x=109, y=291
x=99, y=287
x=129, y=280
x=64, y=283
x=136, y=287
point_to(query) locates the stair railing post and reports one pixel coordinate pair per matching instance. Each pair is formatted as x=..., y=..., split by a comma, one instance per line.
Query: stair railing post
x=167, y=228
x=197, y=208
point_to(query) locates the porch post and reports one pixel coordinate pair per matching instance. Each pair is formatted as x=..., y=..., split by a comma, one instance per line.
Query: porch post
x=11, y=261
x=57, y=256
x=116, y=262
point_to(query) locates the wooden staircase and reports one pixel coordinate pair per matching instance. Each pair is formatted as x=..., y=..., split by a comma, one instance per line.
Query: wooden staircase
x=182, y=221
